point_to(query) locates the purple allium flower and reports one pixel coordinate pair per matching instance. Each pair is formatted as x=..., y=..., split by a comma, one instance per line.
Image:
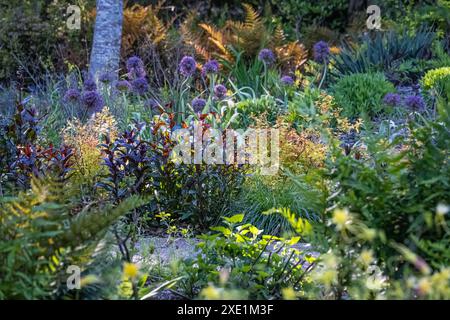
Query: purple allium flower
x=140, y=86
x=321, y=52
x=287, y=80
x=135, y=67
x=210, y=67
x=198, y=104
x=89, y=85
x=415, y=103
x=92, y=100
x=392, y=99
x=134, y=62
x=72, y=95
x=106, y=77
x=266, y=56
x=123, y=85
x=187, y=66
x=220, y=91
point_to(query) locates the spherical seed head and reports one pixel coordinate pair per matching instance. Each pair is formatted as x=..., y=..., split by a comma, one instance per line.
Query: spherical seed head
x=392, y=99
x=210, y=67
x=415, y=103
x=123, y=86
x=220, y=91
x=267, y=56
x=72, y=95
x=187, y=66
x=198, y=104
x=140, y=86
x=321, y=51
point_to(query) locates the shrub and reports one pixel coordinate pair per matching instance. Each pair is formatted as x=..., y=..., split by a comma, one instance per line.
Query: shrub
x=362, y=94
x=397, y=184
x=23, y=155
x=239, y=259
x=139, y=162
x=332, y=14
x=251, y=109
x=434, y=78
x=84, y=139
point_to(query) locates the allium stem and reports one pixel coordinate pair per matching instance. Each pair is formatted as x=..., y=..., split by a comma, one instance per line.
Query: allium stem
x=323, y=76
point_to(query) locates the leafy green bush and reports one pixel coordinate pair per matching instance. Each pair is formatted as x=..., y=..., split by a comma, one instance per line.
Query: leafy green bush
x=432, y=79
x=397, y=184
x=243, y=262
x=250, y=109
x=35, y=38
x=362, y=94
x=332, y=14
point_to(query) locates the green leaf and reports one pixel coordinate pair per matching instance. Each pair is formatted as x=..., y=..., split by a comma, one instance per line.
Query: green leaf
x=235, y=219
x=222, y=229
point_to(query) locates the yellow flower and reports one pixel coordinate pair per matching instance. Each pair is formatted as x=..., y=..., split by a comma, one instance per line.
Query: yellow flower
x=374, y=283
x=366, y=257
x=210, y=293
x=288, y=294
x=335, y=50
x=341, y=217
x=424, y=286
x=328, y=277
x=130, y=270
x=440, y=280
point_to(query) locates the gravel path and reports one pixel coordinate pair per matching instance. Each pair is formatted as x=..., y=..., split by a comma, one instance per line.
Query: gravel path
x=162, y=250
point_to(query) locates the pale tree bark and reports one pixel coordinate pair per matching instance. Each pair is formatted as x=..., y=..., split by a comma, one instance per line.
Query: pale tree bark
x=105, y=54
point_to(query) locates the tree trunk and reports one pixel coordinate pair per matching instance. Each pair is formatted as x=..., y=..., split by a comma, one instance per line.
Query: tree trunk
x=105, y=54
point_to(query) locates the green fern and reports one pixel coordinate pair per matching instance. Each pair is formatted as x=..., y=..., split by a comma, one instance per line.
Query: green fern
x=42, y=233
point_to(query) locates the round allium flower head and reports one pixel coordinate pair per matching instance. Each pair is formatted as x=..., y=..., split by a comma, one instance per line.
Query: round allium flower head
x=187, y=66
x=220, y=91
x=135, y=67
x=392, y=99
x=266, y=56
x=106, y=77
x=123, y=85
x=210, y=67
x=134, y=63
x=287, y=80
x=415, y=103
x=72, y=95
x=140, y=86
x=89, y=85
x=321, y=52
x=92, y=100
x=198, y=104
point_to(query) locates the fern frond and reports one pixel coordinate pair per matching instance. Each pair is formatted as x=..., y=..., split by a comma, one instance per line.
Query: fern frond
x=301, y=226
x=278, y=37
x=252, y=18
